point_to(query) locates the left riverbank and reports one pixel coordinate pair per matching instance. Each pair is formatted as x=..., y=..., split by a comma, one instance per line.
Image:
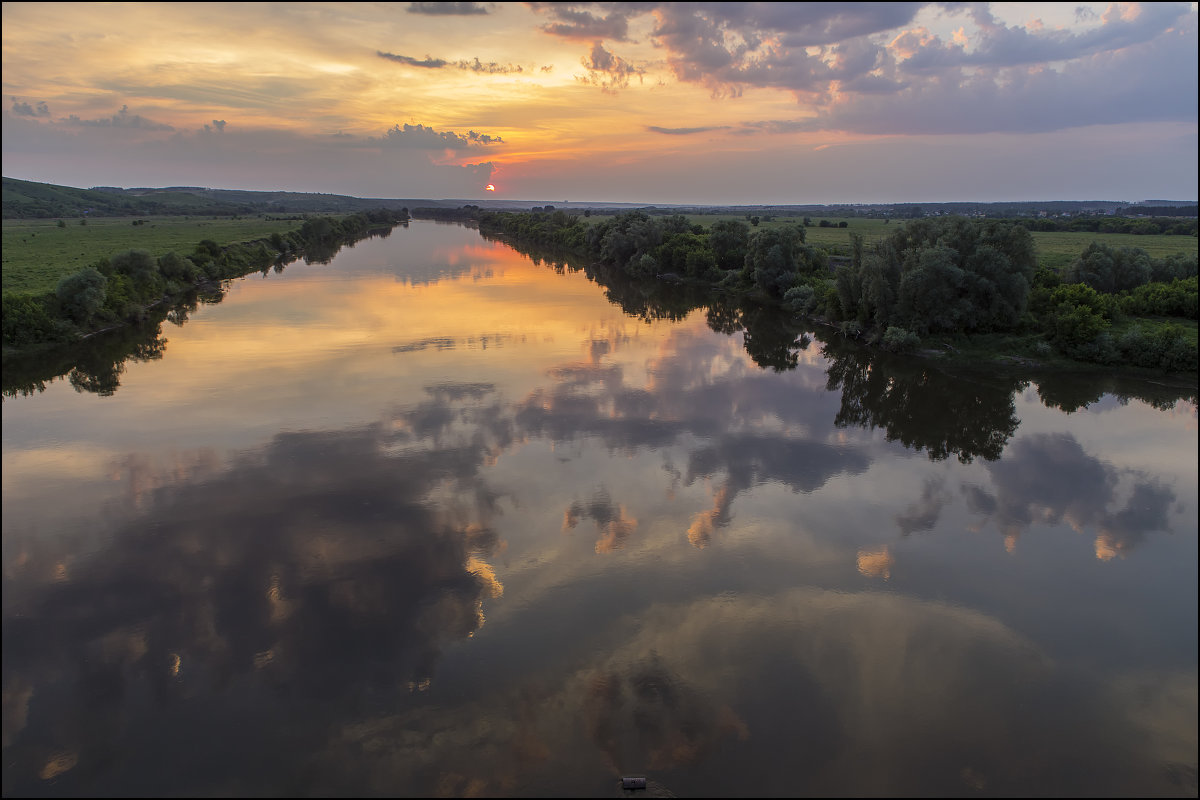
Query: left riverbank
x=126, y=289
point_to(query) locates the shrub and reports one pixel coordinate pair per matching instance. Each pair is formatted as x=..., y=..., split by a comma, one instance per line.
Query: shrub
x=898, y=340
x=82, y=294
x=26, y=321
x=800, y=299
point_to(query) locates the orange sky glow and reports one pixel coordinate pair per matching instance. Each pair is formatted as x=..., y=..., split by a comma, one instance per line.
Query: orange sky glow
x=711, y=103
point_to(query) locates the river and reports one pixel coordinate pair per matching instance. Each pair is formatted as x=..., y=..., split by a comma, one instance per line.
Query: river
x=438, y=519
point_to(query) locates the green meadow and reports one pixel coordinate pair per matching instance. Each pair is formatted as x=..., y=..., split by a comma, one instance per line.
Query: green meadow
x=38, y=253
x=1054, y=249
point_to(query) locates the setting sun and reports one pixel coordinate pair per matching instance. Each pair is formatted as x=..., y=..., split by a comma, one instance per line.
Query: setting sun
x=489, y=188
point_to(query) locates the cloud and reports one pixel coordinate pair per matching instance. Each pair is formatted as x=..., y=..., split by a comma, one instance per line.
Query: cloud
x=1050, y=479
x=858, y=68
x=312, y=568
x=998, y=45
x=460, y=9
x=686, y=131
x=574, y=23
x=473, y=65
x=728, y=46
x=606, y=70
x=26, y=110
x=923, y=514
x=426, y=138
x=490, y=68
x=122, y=119
x=614, y=524
x=401, y=164
x=428, y=63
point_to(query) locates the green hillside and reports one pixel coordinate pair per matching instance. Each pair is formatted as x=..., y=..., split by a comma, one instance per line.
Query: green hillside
x=29, y=200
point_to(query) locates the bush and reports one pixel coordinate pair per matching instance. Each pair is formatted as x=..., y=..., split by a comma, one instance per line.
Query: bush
x=898, y=340
x=1077, y=326
x=81, y=295
x=800, y=299
x=1167, y=348
x=177, y=268
x=26, y=321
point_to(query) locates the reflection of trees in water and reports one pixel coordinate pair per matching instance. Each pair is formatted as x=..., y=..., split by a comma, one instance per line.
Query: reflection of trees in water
x=1072, y=392
x=96, y=364
x=963, y=413
x=922, y=407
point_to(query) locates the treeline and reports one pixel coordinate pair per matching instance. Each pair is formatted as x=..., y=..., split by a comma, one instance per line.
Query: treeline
x=932, y=278
x=1140, y=225
x=956, y=276
x=1098, y=311
x=119, y=290
x=30, y=200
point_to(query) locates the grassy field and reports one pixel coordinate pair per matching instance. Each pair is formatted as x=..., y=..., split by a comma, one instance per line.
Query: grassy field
x=1058, y=250
x=37, y=253
x=1055, y=250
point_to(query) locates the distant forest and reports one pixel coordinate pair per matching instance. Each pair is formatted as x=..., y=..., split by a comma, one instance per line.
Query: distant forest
x=28, y=200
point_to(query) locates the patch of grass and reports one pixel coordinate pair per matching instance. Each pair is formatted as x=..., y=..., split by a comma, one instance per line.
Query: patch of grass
x=37, y=253
x=1058, y=250
x=1055, y=249
x=1152, y=324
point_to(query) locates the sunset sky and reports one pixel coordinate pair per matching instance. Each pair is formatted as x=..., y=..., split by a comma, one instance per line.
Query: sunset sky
x=702, y=103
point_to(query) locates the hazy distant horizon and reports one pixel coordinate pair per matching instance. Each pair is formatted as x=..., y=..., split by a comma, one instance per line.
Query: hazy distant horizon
x=633, y=202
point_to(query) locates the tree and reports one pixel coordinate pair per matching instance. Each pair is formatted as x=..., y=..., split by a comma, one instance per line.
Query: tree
x=728, y=240
x=82, y=294
x=773, y=257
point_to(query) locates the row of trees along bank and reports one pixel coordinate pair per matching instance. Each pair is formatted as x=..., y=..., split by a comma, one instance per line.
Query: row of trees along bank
x=931, y=279
x=118, y=290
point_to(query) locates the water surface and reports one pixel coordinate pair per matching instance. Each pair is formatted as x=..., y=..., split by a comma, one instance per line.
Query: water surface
x=434, y=519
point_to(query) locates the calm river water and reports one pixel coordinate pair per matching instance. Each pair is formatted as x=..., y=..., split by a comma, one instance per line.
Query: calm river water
x=435, y=519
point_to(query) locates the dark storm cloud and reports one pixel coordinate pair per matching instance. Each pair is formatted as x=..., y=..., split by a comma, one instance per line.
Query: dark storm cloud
x=461, y=9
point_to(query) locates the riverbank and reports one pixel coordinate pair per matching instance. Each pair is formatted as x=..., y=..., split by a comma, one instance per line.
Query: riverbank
x=123, y=289
x=966, y=288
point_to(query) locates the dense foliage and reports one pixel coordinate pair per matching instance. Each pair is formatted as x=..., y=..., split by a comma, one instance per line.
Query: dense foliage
x=1177, y=224
x=942, y=276
x=948, y=274
x=120, y=289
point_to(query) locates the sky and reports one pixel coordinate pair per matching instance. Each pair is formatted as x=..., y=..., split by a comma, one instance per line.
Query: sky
x=691, y=103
